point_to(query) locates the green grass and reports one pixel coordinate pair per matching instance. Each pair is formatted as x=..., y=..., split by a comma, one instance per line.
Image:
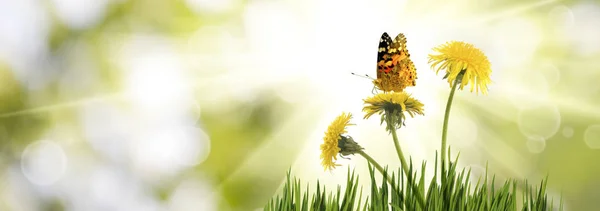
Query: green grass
x=456, y=193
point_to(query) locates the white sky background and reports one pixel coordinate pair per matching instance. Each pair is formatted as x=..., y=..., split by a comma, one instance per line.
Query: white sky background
x=312, y=46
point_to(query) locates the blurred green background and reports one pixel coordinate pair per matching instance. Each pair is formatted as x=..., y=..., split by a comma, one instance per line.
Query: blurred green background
x=205, y=104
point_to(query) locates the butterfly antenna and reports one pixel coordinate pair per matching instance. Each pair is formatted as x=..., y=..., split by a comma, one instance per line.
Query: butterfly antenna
x=363, y=76
x=347, y=158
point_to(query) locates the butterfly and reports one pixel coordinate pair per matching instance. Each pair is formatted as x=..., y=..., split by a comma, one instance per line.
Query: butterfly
x=395, y=69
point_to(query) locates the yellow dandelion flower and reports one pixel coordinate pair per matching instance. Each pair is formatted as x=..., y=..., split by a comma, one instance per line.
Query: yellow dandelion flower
x=392, y=105
x=461, y=59
x=330, y=147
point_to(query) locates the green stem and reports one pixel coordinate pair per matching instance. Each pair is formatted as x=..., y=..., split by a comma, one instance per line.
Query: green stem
x=446, y=117
x=378, y=167
x=389, y=179
x=399, y=151
x=403, y=160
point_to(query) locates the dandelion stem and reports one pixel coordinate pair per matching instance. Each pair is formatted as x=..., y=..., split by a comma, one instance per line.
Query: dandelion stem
x=381, y=170
x=446, y=117
x=399, y=151
x=377, y=166
x=403, y=160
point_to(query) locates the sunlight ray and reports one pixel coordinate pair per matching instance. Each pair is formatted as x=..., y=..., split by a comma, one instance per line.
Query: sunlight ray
x=63, y=105
x=561, y=101
x=503, y=153
x=503, y=14
x=494, y=111
x=197, y=83
x=276, y=142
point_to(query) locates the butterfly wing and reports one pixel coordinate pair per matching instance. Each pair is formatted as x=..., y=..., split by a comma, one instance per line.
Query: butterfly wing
x=401, y=57
x=384, y=59
x=398, y=49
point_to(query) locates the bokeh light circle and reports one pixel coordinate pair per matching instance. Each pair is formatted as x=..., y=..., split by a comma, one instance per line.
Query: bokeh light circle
x=561, y=17
x=584, y=32
x=591, y=136
x=165, y=151
x=568, y=132
x=540, y=120
x=525, y=42
x=551, y=73
x=536, y=144
x=216, y=6
x=43, y=162
x=527, y=86
x=192, y=195
x=80, y=14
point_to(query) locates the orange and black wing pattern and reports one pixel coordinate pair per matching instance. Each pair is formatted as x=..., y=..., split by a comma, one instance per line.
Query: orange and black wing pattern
x=395, y=70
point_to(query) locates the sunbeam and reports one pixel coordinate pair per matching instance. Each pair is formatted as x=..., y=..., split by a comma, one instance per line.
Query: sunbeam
x=58, y=106
x=514, y=11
